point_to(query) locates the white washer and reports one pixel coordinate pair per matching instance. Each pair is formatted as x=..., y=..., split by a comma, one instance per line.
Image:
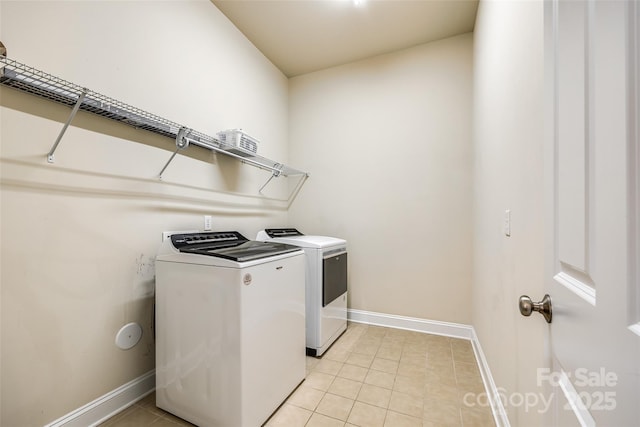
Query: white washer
x=230, y=327
x=326, y=284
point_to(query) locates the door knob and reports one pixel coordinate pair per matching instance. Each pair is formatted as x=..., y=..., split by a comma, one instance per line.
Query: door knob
x=543, y=307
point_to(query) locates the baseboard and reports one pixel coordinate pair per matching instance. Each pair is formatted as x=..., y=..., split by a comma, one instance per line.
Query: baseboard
x=495, y=399
x=106, y=406
x=454, y=330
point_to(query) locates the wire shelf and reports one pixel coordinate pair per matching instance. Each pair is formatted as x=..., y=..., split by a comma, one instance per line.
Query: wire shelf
x=31, y=80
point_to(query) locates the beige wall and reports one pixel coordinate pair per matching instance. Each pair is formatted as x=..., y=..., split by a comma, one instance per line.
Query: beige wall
x=79, y=236
x=508, y=174
x=387, y=143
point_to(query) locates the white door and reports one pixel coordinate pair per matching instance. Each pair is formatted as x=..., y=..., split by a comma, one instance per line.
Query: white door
x=592, y=273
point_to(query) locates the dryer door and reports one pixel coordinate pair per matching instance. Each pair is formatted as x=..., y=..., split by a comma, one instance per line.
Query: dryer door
x=334, y=276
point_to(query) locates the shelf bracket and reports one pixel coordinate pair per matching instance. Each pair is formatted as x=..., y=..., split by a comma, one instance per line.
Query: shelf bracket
x=297, y=188
x=274, y=174
x=50, y=155
x=181, y=143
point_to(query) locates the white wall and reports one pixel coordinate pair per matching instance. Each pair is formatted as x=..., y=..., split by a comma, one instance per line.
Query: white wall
x=387, y=143
x=79, y=236
x=508, y=174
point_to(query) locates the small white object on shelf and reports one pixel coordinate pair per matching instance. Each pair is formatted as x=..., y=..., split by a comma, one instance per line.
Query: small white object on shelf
x=235, y=140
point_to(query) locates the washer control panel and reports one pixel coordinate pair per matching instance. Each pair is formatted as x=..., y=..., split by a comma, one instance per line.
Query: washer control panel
x=223, y=238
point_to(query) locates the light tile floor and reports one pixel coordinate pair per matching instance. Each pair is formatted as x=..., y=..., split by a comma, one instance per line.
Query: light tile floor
x=371, y=376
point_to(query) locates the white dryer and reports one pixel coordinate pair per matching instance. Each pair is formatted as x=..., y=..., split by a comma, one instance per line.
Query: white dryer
x=326, y=284
x=230, y=327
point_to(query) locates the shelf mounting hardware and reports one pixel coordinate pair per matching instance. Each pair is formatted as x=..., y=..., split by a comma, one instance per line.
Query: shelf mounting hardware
x=181, y=143
x=76, y=107
x=277, y=170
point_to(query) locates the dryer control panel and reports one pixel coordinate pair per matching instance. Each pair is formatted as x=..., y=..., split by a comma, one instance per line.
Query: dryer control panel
x=282, y=232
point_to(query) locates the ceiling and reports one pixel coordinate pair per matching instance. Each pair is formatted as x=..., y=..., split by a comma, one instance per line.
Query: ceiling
x=302, y=36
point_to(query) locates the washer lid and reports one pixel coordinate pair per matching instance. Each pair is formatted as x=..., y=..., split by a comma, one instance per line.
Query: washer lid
x=229, y=245
x=247, y=251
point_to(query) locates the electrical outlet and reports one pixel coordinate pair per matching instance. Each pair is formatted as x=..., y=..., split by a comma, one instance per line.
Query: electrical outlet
x=207, y=223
